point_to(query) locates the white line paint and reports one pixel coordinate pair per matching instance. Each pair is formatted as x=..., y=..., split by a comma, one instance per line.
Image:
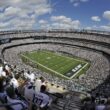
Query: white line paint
x=79, y=70
x=53, y=70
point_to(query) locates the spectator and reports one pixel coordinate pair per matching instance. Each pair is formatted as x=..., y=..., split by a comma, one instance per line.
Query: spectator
x=2, y=91
x=41, y=99
x=12, y=98
x=29, y=91
x=30, y=76
x=14, y=83
x=100, y=106
x=2, y=72
x=108, y=104
x=97, y=98
x=38, y=84
x=89, y=104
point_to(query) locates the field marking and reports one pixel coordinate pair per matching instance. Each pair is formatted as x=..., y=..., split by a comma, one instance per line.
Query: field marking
x=68, y=57
x=86, y=63
x=56, y=71
x=63, y=56
x=78, y=71
x=45, y=67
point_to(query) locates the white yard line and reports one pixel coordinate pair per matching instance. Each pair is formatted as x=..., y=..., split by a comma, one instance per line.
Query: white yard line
x=45, y=67
x=55, y=71
x=72, y=58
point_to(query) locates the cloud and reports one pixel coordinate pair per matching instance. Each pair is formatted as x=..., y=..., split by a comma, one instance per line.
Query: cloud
x=3, y=25
x=42, y=21
x=59, y=22
x=106, y=15
x=62, y=19
x=101, y=27
x=64, y=22
x=105, y=27
x=43, y=24
x=88, y=28
x=95, y=18
x=77, y=2
x=22, y=13
x=18, y=23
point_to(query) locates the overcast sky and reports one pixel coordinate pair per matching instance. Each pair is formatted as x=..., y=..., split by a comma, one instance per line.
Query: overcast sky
x=55, y=14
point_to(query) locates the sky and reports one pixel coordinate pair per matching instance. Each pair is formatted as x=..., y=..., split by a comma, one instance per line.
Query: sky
x=55, y=14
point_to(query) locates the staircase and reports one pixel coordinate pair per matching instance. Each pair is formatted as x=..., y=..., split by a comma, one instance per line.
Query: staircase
x=69, y=102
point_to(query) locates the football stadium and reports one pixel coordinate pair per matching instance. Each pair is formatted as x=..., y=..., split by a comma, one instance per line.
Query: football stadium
x=72, y=69
x=52, y=57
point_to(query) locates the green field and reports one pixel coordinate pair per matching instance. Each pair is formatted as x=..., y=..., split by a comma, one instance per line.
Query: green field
x=56, y=63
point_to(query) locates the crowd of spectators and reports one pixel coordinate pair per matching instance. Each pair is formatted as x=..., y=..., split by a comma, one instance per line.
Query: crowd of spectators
x=96, y=75
x=98, y=61
x=19, y=90
x=25, y=90
x=24, y=95
x=97, y=102
x=100, y=38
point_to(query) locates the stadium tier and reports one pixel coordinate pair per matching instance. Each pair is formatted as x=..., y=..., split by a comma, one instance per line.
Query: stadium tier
x=77, y=61
x=94, y=48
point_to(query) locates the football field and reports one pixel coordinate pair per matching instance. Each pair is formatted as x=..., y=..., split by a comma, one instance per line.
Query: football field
x=57, y=63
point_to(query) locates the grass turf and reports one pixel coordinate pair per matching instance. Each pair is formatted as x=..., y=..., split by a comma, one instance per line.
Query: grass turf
x=57, y=63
